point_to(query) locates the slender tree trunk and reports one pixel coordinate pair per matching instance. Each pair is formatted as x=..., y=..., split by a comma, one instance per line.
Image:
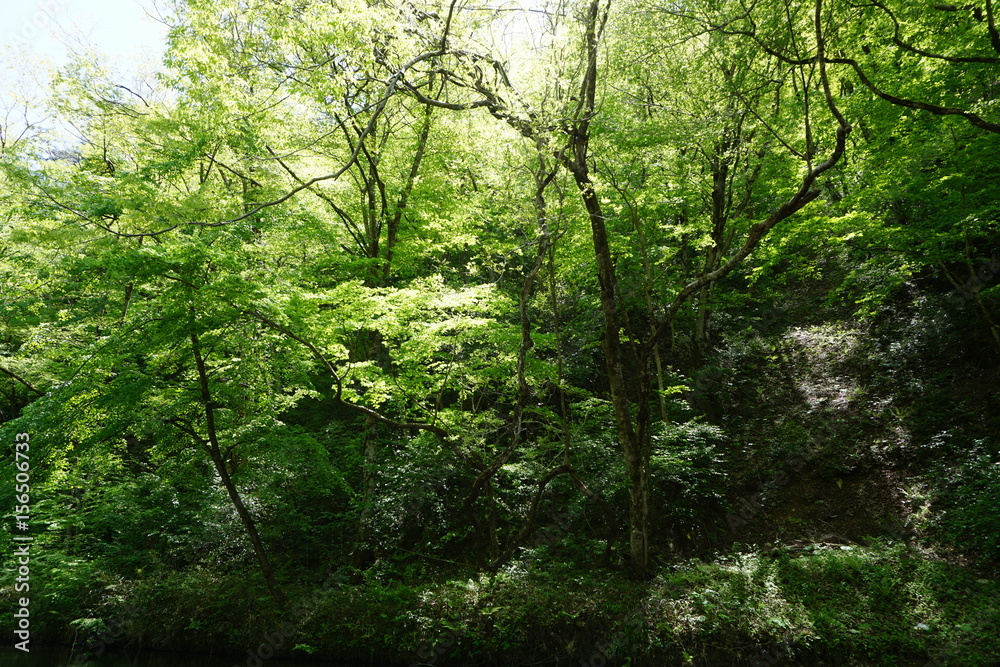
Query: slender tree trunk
x=648, y=289
x=523, y=390
x=219, y=460
x=392, y=231
x=17, y=377
x=364, y=552
x=633, y=432
x=701, y=342
x=971, y=290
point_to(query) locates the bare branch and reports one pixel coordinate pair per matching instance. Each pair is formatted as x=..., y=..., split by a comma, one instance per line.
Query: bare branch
x=438, y=431
x=898, y=41
x=22, y=381
x=974, y=119
x=803, y=196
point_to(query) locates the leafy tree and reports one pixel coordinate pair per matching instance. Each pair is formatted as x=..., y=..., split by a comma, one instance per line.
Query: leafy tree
x=628, y=353
x=339, y=247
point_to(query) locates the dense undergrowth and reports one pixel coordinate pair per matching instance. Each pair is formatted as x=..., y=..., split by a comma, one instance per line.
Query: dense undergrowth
x=841, y=511
x=885, y=604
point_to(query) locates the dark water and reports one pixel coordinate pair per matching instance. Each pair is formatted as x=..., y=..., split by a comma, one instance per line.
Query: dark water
x=61, y=657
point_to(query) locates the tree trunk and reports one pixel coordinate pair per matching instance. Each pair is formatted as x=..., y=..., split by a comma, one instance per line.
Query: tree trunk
x=215, y=452
x=364, y=552
x=632, y=433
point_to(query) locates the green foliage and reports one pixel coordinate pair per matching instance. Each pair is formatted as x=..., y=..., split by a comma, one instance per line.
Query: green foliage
x=293, y=290
x=968, y=498
x=688, y=469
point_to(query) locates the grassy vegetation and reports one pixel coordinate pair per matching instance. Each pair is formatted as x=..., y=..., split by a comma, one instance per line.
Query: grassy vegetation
x=886, y=604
